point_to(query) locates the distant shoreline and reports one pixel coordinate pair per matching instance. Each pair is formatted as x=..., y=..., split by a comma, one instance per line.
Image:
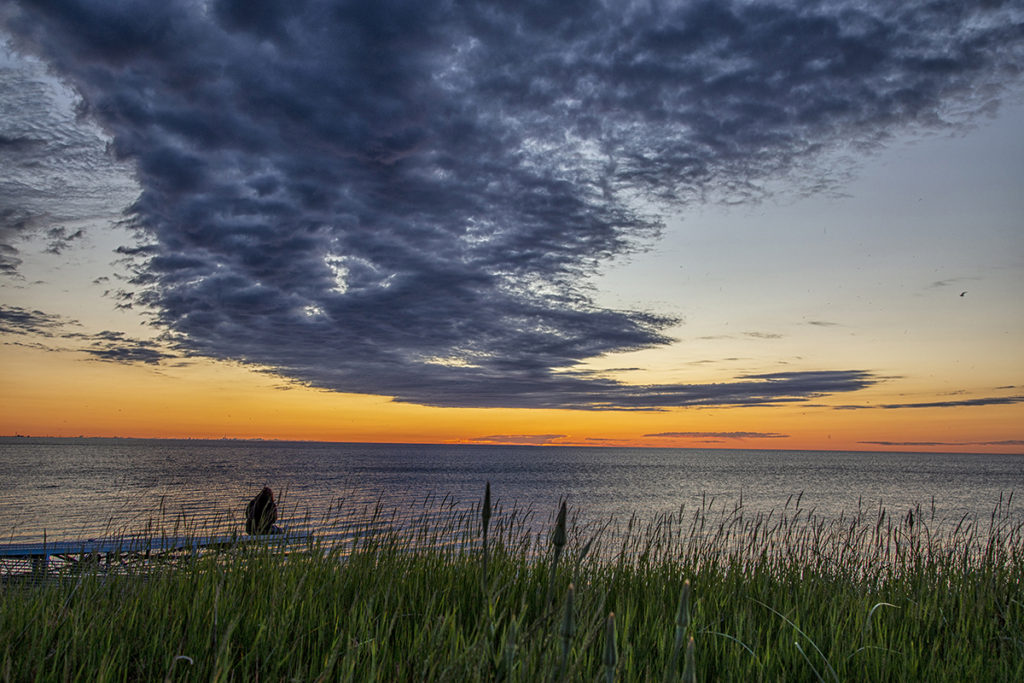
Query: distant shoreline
x=17, y=439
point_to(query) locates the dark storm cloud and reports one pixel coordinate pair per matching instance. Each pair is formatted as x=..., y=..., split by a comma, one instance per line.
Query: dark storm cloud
x=405, y=198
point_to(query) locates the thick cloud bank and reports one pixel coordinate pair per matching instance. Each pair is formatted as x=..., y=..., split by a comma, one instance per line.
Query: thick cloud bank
x=402, y=198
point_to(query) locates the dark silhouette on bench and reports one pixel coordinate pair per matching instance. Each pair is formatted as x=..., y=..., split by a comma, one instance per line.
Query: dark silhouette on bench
x=261, y=513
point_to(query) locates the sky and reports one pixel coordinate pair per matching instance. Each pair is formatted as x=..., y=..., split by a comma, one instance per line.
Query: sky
x=667, y=224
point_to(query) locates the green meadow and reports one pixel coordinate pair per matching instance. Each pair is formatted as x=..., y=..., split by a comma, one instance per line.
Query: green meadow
x=711, y=594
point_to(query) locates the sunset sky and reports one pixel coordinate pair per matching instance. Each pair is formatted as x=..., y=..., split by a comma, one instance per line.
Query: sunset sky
x=727, y=224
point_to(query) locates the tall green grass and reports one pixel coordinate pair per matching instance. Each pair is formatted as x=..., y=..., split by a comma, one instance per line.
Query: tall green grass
x=701, y=595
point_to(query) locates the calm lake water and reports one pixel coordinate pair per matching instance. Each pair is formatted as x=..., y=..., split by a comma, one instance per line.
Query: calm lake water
x=83, y=488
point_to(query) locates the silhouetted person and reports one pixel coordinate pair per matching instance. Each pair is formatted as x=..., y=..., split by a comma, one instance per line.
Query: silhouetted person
x=261, y=513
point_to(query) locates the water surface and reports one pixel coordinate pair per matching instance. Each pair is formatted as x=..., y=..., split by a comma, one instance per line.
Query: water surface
x=82, y=488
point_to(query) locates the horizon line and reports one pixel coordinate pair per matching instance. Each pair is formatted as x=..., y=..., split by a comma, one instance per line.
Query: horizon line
x=722, y=447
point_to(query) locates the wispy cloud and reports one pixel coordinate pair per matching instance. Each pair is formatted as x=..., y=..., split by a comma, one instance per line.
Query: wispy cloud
x=9, y=259
x=61, y=238
x=17, y=320
x=519, y=439
x=404, y=199
x=954, y=403
x=116, y=347
x=1005, y=442
x=108, y=346
x=959, y=403
x=719, y=435
x=951, y=282
x=57, y=168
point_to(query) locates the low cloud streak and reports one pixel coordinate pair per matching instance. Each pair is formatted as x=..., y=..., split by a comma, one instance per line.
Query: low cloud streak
x=959, y=403
x=1005, y=442
x=719, y=435
x=519, y=439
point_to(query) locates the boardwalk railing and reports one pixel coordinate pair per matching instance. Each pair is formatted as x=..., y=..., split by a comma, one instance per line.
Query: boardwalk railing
x=39, y=558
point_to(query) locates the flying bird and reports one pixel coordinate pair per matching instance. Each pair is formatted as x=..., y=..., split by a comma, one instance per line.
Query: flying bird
x=962, y=293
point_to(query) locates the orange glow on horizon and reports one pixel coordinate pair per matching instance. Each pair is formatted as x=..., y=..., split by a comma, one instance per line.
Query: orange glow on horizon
x=60, y=394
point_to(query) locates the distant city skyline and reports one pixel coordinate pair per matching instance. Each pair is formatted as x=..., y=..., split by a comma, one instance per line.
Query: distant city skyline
x=701, y=224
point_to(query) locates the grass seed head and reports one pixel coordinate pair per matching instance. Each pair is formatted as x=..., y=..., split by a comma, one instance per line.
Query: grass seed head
x=510, y=647
x=558, y=539
x=611, y=651
x=568, y=630
x=569, y=619
x=485, y=511
x=683, y=612
x=690, y=666
x=682, y=622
